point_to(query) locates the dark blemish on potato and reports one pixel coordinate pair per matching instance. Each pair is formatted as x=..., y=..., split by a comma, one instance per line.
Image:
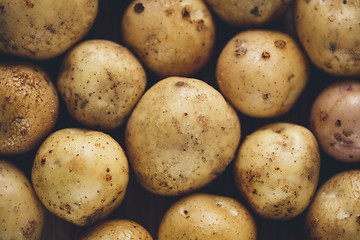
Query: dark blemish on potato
x=255, y=12
x=332, y=47
x=29, y=4
x=338, y=123
x=185, y=13
x=350, y=88
x=344, y=2
x=355, y=54
x=328, y=65
x=323, y=116
x=291, y=77
x=139, y=8
x=280, y=44
x=43, y=161
x=50, y=28
x=347, y=133
x=169, y=12
x=23, y=132
x=265, y=55
x=278, y=130
x=108, y=177
x=266, y=96
x=200, y=25
x=240, y=52
x=338, y=137
x=27, y=230
x=2, y=9
x=180, y=84
x=107, y=169
x=307, y=1
x=83, y=104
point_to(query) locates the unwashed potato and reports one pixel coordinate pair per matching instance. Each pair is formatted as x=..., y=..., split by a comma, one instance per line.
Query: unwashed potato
x=335, y=120
x=262, y=72
x=21, y=213
x=277, y=170
x=80, y=175
x=100, y=82
x=181, y=135
x=334, y=213
x=29, y=107
x=207, y=217
x=249, y=13
x=329, y=32
x=118, y=229
x=171, y=37
x=44, y=29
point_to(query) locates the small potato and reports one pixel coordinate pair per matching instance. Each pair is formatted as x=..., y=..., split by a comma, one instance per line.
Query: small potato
x=277, y=170
x=21, y=213
x=44, y=29
x=207, y=217
x=181, y=135
x=171, y=37
x=117, y=229
x=80, y=175
x=100, y=82
x=262, y=72
x=29, y=107
x=335, y=213
x=335, y=120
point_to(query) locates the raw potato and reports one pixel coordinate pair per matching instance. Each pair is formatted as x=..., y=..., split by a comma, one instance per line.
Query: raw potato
x=277, y=170
x=21, y=213
x=101, y=81
x=329, y=32
x=44, y=29
x=118, y=229
x=172, y=38
x=262, y=72
x=181, y=135
x=29, y=107
x=335, y=120
x=249, y=13
x=80, y=175
x=207, y=217
x=334, y=213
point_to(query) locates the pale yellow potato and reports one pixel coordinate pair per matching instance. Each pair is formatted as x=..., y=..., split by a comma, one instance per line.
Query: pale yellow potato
x=329, y=32
x=44, y=29
x=181, y=135
x=262, y=72
x=100, y=82
x=117, y=229
x=80, y=175
x=21, y=213
x=277, y=170
x=334, y=213
x=207, y=217
x=29, y=107
x=172, y=38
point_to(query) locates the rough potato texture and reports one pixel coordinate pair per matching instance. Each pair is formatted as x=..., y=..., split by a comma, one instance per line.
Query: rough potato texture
x=181, y=135
x=334, y=213
x=21, y=213
x=207, y=217
x=29, y=107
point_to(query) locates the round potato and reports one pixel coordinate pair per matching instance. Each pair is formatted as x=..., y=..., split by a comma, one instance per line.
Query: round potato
x=262, y=72
x=329, y=32
x=334, y=213
x=181, y=135
x=80, y=175
x=100, y=82
x=207, y=217
x=44, y=29
x=21, y=213
x=335, y=120
x=277, y=170
x=172, y=38
x=119, y=229
x=29, y=107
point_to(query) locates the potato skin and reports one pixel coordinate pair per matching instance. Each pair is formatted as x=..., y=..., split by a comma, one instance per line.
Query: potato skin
x=100, y=82
x=80, y=175
x=29, y=107
x=277, y=170
x=21, y=213
x=181, y=135
x=334, y=213
x=207, y=217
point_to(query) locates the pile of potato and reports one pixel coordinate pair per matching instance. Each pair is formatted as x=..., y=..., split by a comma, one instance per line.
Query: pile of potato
x=180, y=119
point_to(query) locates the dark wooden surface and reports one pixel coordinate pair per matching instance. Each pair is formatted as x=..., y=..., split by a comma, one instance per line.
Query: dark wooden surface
x=147, y=209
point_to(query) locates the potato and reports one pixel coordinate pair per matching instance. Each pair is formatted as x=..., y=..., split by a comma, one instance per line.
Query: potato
x=335, y=213
x=334, y=120
x=249, y=13
x=29, y=107
x=44, y=29
x=172, y=38
x=21, y=213
x=205, y=217
x=100, y=82
x=262, y=72
x=80, y=175
x=181, y=135
x=329, y=32
x=121, y=229
x=277, y=170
